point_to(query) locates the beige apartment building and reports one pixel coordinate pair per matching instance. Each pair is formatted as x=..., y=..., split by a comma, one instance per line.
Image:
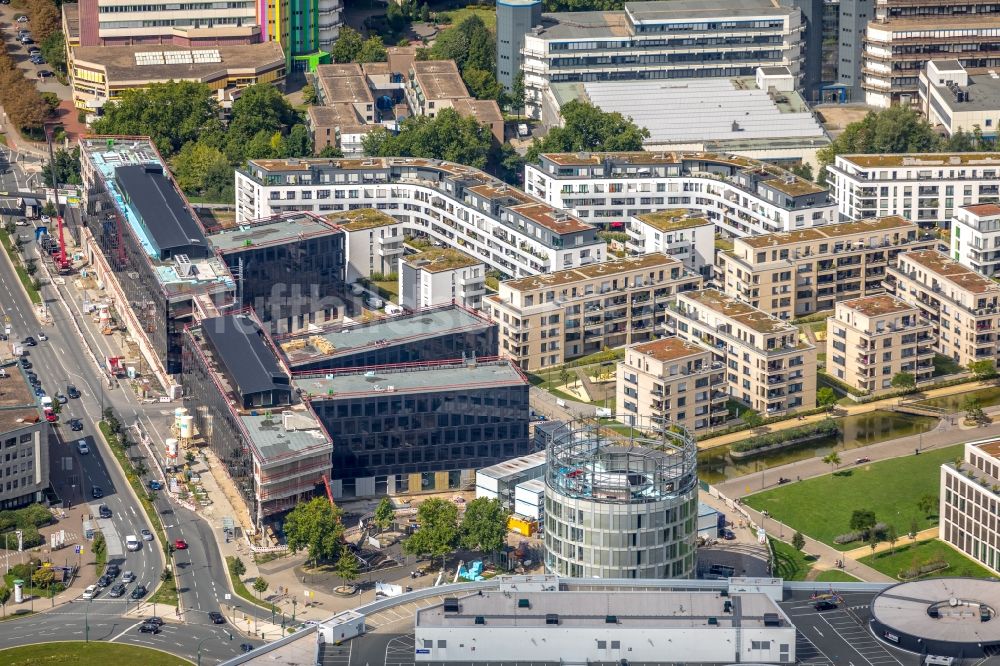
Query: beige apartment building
x=551, y=318
x=872, y=339
x=671, y=381
x=767, y=367
x=961, y=305
x=795, y=273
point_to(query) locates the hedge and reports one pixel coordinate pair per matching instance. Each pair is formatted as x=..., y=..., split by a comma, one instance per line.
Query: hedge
x=768, y=421
x=825, y=427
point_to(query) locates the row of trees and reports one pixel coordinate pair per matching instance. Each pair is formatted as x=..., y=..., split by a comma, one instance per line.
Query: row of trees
x=483, y=528
x=25, y=106
x=352, y=47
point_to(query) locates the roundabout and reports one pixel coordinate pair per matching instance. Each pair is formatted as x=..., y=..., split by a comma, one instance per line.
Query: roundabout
x=948, y=617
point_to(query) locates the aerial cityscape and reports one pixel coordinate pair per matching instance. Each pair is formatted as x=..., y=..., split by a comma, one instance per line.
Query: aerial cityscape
x=401, y=332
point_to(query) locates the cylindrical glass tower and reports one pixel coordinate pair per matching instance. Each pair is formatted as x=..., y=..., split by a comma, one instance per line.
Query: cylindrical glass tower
x=620, y=502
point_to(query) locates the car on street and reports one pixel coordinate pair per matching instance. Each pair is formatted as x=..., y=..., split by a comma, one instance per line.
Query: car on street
x=152, y=619
x=132, y=543
x=61, y=398
x=862, y=461
x=155, y=485
x=104, y=511
x=246, y=647
x=180, y=544
x=146, y=534
x=75, y=425
x=824, y=604
x=138, y=592
x=29, y=341
x=216, y=617
x=728, y=535
x=96, y=492
x=104, y=581
x=117, y=591
x=128, y=577
x=149, y=627
x=22, y=19
x=90, y=592
x=113, y=570
x=83, y=448
x=41, y=336
x=72, y=391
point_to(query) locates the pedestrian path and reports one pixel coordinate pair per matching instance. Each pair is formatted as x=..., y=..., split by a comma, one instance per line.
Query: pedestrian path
x=864, y=551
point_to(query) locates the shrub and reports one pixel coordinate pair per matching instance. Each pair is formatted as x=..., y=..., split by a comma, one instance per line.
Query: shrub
x=823, y=428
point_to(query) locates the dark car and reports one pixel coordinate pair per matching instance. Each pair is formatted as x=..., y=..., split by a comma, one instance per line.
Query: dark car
x=104, y=580
x=113, y=570
x=37, y=60
x=44, y=74
x=138, y=592
x=117, y=591
x=96, y=492
x=148, y=627
x=246, y=647
x=39, y=391
x=75, y=425
x=104, y=511
x=32, y=377
x=158, y=621
x=216, y=617
x=26, y=364
x=824, y=604
x=728, y=535
x=72, y=391
x=61, y=398
x=30, y=341
x=27, y=40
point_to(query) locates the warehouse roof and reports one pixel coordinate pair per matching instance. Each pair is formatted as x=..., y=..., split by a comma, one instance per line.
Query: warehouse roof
x=170, y=224
x=419, y=379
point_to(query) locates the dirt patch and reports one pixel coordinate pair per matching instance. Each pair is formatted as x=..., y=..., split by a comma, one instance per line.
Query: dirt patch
x=839, y=116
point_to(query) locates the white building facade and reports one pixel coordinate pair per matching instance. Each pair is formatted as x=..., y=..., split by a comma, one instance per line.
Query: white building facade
x=975, y=238
x=678, y=233
x=440, y=276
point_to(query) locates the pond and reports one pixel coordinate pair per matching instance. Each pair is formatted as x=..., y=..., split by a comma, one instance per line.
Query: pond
x=987, y=397
x=715, y=465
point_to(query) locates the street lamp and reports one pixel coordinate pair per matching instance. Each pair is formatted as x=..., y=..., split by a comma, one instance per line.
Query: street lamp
x=86, y=620
x=209, y=638
x=295, y=602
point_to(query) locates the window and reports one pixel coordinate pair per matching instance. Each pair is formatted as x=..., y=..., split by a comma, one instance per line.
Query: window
x=602, y=645
x=442, y=644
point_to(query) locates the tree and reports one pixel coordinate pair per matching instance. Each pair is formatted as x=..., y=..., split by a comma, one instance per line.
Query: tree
x=832, y=459
x=438, y=533
x=862, y=520
x=982, y=369
x=347, y=567
x=45, y=19
x=892, y=537
x=43, y=577
x=373, y=50
x=825, y=397
x=752, y=418
x=194, y=163
x=928, y=504
x=588, y=128
x=802, y=170
x=510, y=164
x=309, y=94
x=171, y=113
x=447, y=136
x=237, y=567
x=261, y=108
x=873, y=541
x=330, y=151
x=903, y=380
x=516, y=96
x=260, y=586
x=425, y=13
x=348, y=45
x=298, y=143
x=484, y=525
x=315, y=525
x=167, y=575
x=482, y=84
x=4, y=598
x=798, y=541
x=67, y=166
x=974, y=412
x=54, y=51
x=384, y=514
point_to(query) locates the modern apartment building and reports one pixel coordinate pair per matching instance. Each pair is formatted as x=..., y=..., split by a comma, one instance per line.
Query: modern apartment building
x=925, y=188
x=962, y=305
x=419, y=428
x=425, y=336
x=245, y=410
x=767, y=367
x=439, y=276
x=288, y=268
x=434, y=85
x=148, y=248
x=549, y=319
x=659, y=40
x=975, y=238
x=957, y=100
x=457, y=206
x=968, y=501
x=791, y=274
x=677, y=232
x=374, y=242
x=904, y=35
x=670, y=381
x=740, y=196
x=872, y=339
x=24, y=443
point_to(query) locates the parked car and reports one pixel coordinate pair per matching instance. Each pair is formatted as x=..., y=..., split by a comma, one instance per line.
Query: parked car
x=180, y=544
x=90, y=592
x=26, y=40
x=22, y=19
x=146, y=534
x=128, y=577
x=96, y=492
x=36, y=60
x=138, y=592
x=25, y=363
x=104, y=511
x=246, y=647
x=117, y=591
x=727, y=534
x=34, y=50
x=39, y=391
x=44, y=74
x=51, y=416
x=824, y=604
x=72, y=391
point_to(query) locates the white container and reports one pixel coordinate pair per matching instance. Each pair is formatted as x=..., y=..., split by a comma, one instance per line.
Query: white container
x=187, y=427
x=171, y=444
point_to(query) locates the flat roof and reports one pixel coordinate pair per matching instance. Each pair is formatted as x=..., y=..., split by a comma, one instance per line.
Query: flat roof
x=140, y=62
x=344, y=339
x=904, y=607
x=669, y=349
x=656, y=11
x=243, y=354
x=960, y=275
x=632, y=609
x=874, y=306
x=440, y=259
x=603, y=269
x=344, y=82
x=274, y=440
x=983, y=210
x=18, y=405
x=425, y=378
x=483, y=110
x=829, y=232
x=514, y=466
x=343, y=115
x=553, y=219
x=949, y=65
x=439, y=79
x=361, y=219
x=270, y=231
x=738, y=311
x=673, y=220
x=923, y=159
x=170, y=224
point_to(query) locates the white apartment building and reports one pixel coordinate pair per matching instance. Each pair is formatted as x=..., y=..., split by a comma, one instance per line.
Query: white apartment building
x=975, y=238
x=925, y=188
x=956, y=100
x=373, y=242
x=658, y=41
x=740, y=196
x=455, y=205
x=677, y=232
x=968, y=503
x=767, y=366
x=439, y=276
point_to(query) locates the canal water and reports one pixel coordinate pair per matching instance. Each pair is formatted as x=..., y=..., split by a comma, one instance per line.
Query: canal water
x=715, y=465
x=987, y=397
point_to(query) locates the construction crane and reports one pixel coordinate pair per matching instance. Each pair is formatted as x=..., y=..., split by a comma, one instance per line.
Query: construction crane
x=329, y=493
x=62, y=263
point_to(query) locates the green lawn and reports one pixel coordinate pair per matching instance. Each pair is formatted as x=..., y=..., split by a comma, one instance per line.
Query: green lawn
x=22, y=274
x=8, y=581
x=241, y=589
x=166, y=593
x=836, y=576
x=789, y=563
x=78, y=653
x=388, y=290
x=821, y=507
x=891, y=564
x=456, y=16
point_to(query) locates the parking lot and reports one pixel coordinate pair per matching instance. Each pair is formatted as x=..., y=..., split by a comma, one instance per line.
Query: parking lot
x=20, y=52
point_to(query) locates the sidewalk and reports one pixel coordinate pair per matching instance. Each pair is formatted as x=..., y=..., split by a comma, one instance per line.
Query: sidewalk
x=843, y=410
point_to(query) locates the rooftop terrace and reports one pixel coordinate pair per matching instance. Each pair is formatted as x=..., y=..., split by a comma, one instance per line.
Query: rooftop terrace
x=654, y=261
x=948, y=269
x=669, y=349
x=875, y=306
x=923, y=160
x=741, y=313
x=361, y=219
x=673, y=220
x=437, y=260
x=830, y=232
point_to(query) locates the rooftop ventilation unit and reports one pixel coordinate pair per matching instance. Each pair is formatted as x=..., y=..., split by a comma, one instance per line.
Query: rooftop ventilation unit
x=183, y=266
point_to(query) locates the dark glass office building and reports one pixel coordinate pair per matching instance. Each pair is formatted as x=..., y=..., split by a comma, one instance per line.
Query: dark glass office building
x=424, y=428
x=289, y=268
x=441, y=333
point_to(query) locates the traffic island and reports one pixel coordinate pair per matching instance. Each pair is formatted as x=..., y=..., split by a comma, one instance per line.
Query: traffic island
x=94, y=653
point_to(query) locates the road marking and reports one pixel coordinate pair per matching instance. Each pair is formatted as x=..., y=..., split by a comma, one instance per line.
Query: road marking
x=817, y=630
x=125, y=632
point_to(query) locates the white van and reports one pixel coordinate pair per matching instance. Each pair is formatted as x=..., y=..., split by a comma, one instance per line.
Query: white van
x=132, y=542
